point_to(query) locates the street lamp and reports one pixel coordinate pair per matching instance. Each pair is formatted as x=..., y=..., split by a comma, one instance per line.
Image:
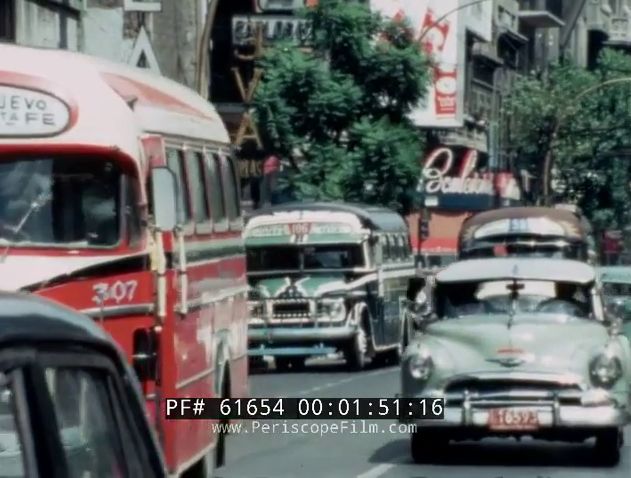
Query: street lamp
x=548, y=161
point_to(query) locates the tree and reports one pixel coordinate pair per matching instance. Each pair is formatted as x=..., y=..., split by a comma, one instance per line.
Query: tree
x=338, y=111
x=592, y=121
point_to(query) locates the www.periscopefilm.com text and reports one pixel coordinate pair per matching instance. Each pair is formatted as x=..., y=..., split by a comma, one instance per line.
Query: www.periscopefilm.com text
x=358, y=427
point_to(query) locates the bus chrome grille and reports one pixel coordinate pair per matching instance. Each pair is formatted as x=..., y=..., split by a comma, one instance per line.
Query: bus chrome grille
x=291, y=309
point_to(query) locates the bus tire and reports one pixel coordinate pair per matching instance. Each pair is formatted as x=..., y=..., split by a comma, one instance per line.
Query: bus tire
x=356, y=352
x=216, y=457
x=220, y=449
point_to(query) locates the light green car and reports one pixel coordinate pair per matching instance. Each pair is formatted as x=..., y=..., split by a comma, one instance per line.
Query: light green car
x=519, y=347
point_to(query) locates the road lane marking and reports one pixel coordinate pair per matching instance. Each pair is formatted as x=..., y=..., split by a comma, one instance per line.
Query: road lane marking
x=336, y=383
x=380, y=470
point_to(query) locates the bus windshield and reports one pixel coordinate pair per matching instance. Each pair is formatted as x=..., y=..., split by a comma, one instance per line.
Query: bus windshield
x=282, y=258
x=59, y=202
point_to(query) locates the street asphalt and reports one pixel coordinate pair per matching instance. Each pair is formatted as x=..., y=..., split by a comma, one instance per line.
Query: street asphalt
x=254, y=453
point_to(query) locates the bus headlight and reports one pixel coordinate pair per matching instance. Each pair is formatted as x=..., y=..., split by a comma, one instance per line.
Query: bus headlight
x=337, y=310
x=421, y=366
x=255, y=309
x=605, y=370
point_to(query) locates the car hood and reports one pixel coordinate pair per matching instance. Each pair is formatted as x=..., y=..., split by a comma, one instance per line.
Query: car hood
x=298, y=286
x=534, y=343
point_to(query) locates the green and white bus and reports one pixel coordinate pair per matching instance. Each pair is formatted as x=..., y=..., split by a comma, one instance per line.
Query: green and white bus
x=327, y=278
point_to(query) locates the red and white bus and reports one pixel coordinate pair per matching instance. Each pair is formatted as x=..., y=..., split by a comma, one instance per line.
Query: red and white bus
x=119, y=198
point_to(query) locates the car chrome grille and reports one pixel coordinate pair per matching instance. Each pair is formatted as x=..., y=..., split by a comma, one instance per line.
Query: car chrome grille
x=506, y=390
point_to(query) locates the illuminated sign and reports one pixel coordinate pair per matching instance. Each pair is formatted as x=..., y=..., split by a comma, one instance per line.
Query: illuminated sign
x=26, y=112
x=540, y=226
x=273, y=28
x=438, y=179
x=459, y=183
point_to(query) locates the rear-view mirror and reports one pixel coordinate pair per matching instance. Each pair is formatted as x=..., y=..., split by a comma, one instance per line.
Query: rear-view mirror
x=164, y=191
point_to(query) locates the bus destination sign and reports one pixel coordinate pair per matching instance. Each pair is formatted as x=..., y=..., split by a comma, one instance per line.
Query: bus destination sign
x=25, y=112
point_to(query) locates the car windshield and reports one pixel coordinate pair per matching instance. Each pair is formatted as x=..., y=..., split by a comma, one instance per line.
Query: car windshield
x=280, y=258
x=533, y=297
x=59, y=202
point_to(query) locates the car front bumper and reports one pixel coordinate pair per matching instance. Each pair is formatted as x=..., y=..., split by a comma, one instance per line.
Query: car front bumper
x=600, y=409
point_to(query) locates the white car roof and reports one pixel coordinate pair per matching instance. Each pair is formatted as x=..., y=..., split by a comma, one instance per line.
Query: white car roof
x=556, y=270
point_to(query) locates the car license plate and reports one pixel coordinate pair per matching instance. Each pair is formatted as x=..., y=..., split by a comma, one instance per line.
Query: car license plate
x=513, y=419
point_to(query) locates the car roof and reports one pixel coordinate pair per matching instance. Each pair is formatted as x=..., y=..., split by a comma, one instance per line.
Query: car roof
x=374, y=217
x=507, y=268
x=27, y=318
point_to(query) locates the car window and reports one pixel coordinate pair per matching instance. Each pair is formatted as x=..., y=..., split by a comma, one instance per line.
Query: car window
x=87, y=423
x=11, y=458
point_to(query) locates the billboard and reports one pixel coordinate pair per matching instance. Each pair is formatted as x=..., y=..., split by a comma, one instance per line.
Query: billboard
x=438, y=29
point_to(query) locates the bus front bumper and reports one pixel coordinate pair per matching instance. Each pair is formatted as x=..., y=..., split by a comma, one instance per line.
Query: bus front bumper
x=288, y=341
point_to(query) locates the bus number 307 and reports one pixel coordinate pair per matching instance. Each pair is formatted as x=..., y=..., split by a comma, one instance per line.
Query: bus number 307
x=119, y=291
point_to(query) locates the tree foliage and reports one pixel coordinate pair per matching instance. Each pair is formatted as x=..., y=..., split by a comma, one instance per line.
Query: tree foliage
x=592, y=147
x=338, y=112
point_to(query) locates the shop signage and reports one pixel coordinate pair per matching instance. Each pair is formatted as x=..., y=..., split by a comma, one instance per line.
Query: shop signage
x=452, y=182
x=26, y=112
x=439, y=178
x=274, y=28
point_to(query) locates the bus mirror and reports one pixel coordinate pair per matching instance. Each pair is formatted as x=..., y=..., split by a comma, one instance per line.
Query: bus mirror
x=164, y=191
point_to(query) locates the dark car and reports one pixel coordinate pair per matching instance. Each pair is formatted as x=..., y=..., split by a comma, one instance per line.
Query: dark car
x=70, y=406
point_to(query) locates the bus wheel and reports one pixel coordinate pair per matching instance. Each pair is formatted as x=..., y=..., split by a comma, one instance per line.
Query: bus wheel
x=356, y=353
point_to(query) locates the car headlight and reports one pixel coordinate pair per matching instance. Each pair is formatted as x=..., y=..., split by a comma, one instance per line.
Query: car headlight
x=605, y=369
x=421, y=366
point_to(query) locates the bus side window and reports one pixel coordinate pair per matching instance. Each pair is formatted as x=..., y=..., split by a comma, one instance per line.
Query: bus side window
x=174, y=162
x=229, y=180
x=201, y=211
x=402, y=249
x=387, y=253
x=378, y=250
x=213, y=176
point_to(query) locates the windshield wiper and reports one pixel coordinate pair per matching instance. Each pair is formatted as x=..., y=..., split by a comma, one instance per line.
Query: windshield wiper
x=39, y=202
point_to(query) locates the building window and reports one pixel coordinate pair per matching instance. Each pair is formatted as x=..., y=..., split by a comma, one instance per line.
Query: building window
x=7, y=20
